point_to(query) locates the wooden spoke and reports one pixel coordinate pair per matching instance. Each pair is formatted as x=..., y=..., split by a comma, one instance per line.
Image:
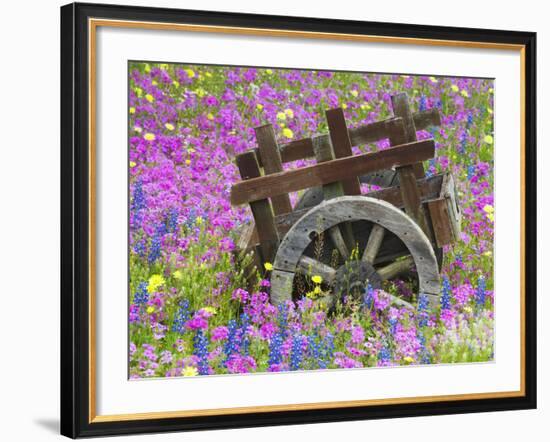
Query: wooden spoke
x=338, y=240
x=401, y=302
x=395, y=268
x=310, y=266
x=373, y=244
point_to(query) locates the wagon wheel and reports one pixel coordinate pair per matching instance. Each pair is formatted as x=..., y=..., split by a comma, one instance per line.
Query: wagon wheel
x=383, y=178
x=384, y=220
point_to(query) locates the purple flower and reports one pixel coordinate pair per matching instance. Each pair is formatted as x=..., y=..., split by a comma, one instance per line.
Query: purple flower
x=219, y=333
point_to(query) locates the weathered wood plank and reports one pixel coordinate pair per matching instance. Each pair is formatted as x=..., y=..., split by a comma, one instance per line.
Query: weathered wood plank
x=370, y=133
x=400, y=105
x=298, y=149
x=341, y=146
x=261, y=209
x=409, y=173
x=259, y=188
x=445, y=213
x=426, y=119
x=440, y=221
x=245, y=234
x=271, y=160
x=411, y=196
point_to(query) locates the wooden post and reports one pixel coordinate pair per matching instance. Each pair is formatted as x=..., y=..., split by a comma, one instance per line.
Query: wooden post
x=341, y=145
x=410, y=173
x=271, y=160
x=401, y=109
x=261, y=210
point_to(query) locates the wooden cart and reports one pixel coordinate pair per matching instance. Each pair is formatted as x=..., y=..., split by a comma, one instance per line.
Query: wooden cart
x=347, y=238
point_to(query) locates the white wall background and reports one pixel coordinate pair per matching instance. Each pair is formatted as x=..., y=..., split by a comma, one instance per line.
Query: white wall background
x=29, y=221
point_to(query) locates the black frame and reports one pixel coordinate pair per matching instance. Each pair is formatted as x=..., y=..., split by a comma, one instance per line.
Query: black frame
x=75, y=220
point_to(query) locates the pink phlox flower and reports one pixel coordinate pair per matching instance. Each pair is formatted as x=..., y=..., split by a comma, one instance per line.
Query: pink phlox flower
x=220, y=333
x=240, y=295
x=198, y=321
x=343, y=361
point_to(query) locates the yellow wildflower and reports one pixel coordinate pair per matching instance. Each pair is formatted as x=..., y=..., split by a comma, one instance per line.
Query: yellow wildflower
x=344, y=106
x=488, y=139
x=490, y=111
x=169, y=126
x=208, y=74
x=187, y=162
x=281, y=116
x=147, y=68
x=149, y=98
x=176, y=83
x=433, y=80
x=132, y=164
x=408, y=359
x=317, y=289
x=154, y=82
x=488, y=253
x=178, y=274
x=468, y=309
x=132, y=110
x=354, y=93
x=491, y=90
x=490, y=211
x=259, y=106
x=190, y=371
x=138, y=129
x=210, y=116
x=464, y=93
x=155, y=281
x=268, y=71
x=190, y=73
x=268, y=266
x=210, y=309
x=288, y=133
x=317, y=279
x=289, y=113
x=454, y=88
x=191, y=150
x=138, y=91
x=199, y=220
x=150, y=309
x=149, y=136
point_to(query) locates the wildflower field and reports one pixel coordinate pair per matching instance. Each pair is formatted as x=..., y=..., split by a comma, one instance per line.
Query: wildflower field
x=191, y=310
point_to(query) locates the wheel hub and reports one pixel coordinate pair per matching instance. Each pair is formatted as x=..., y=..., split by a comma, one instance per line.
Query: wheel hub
x=353, y=278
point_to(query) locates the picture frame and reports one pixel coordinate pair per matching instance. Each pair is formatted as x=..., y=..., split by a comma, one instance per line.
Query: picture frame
x=80, y=177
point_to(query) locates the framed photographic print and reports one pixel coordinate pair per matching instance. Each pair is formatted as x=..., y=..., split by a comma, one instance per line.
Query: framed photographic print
x=275, y=220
